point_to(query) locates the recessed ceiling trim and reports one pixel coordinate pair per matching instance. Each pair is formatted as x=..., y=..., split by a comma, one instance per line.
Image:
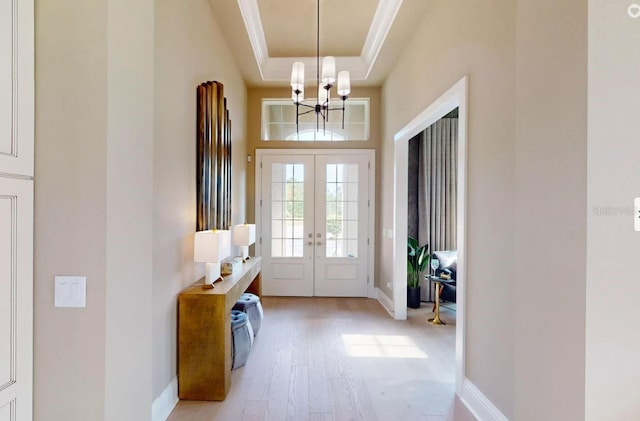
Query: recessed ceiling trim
x=279, y=68
x=380, y=27
x=252, y=21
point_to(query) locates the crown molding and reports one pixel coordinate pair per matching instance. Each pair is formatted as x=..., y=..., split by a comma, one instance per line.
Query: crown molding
x=252, y=21
x=380, y=26
x=279, y=68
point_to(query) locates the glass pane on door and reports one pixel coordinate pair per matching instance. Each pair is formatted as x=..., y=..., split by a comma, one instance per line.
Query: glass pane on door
x=341, y=210
x=287, y=215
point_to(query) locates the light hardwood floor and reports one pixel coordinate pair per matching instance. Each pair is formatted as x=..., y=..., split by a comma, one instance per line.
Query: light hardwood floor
x=331, y=359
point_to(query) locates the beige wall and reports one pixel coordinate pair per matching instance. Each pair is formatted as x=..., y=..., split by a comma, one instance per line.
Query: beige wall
x=613, y=337
x=93, y=151
x=115, y=147
x=70, y=207
x=526, y=190
x=254, y=110
x=129, y=200
x=477, y=39
x=189, y=50
x=551, y=187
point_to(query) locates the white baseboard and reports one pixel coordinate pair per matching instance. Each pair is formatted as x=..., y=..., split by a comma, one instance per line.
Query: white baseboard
x=386, y=302
x=478, y=404
x=164, y=404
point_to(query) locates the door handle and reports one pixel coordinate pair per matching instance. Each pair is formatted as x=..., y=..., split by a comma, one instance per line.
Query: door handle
x=310, y=243
x=319, y=243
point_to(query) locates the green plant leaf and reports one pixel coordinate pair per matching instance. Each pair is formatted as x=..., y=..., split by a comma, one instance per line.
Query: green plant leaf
x=417, y=260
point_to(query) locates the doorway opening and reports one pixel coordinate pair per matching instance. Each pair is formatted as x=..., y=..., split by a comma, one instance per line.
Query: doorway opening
x=432, y=210
x=454, y=98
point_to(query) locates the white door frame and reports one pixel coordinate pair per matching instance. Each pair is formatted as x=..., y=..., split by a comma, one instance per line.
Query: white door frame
x=455, y=97
x=260, y=153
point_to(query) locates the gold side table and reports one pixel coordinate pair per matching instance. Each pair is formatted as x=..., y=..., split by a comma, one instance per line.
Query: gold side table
x=436, y=314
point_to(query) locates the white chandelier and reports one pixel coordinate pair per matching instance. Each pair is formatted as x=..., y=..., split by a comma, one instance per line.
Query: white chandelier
x=323, y=100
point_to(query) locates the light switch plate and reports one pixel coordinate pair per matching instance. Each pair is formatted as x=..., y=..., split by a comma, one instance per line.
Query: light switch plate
x=636, y=213
x=70, y=291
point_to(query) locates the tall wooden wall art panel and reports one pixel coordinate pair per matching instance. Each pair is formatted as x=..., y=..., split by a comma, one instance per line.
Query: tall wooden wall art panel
x=213, y=178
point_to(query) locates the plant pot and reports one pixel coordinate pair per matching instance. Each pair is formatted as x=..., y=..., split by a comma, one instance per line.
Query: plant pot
x=413, y=297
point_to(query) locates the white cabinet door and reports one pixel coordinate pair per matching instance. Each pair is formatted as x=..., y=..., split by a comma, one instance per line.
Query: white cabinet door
x=16, y=209
x=16, y=299
x=16, y=87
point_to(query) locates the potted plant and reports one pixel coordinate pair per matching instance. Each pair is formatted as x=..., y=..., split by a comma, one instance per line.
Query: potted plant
x=417, y=261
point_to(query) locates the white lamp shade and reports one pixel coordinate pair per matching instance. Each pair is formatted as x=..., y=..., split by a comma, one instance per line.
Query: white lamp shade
x=297, y=76
x=323, y=95
x=244, y=234
x=211, y=246
x=328, y=70
x=344, y=83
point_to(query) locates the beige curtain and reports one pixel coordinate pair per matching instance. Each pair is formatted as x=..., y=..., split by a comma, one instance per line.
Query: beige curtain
x=437, y=186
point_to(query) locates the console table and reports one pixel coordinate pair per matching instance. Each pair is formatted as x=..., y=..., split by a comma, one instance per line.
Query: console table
x=204, y=333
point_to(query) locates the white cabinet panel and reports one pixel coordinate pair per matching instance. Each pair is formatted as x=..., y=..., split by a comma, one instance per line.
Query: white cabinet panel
x=7, y=412
x=16, y=209
x=7, y=286
x=6, y=76
x=16, y=298
x=16, y=87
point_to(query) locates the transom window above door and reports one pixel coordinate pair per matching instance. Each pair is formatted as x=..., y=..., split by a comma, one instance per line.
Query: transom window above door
x=279, y=122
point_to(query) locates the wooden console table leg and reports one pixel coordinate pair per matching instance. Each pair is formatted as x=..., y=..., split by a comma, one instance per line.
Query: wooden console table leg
x=204, y=323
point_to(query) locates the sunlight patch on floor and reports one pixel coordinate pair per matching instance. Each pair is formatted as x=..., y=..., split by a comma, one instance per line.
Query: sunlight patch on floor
x=381, y=346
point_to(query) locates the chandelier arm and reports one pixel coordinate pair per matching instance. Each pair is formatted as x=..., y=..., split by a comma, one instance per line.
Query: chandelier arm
x=306, y=112
x=302, y=104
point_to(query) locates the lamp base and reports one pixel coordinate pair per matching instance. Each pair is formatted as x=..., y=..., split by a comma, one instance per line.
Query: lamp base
x=245, y=253
x=211, y=275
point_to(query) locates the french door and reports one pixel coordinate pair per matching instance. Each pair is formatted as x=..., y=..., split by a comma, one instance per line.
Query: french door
x=315, y=222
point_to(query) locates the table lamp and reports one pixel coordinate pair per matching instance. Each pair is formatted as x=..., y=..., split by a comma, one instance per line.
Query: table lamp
x=244, y=235
x=211, y=247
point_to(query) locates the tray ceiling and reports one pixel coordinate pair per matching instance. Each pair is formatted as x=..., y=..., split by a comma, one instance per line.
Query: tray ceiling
x=267, y=36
